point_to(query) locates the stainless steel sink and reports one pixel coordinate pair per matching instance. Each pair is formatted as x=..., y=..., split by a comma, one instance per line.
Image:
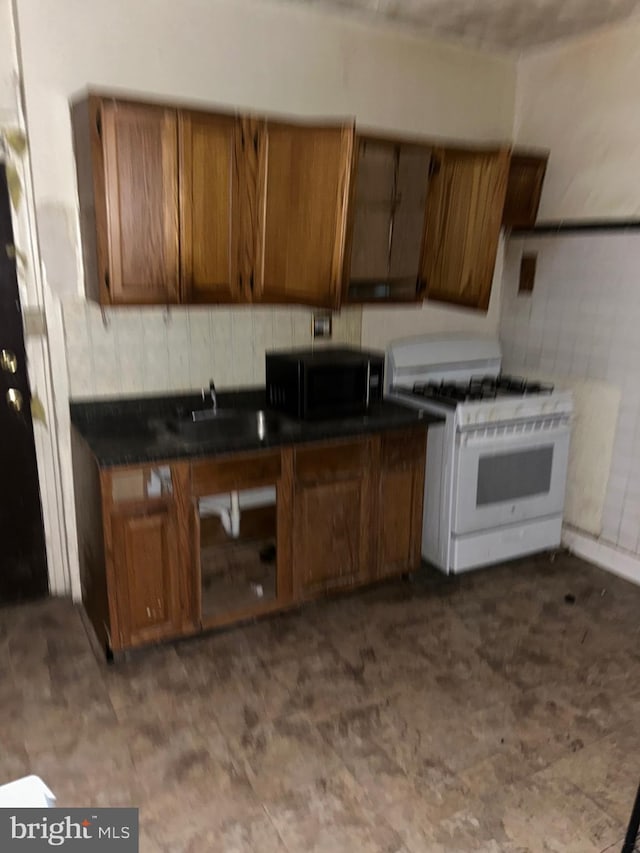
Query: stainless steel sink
x=210, y=425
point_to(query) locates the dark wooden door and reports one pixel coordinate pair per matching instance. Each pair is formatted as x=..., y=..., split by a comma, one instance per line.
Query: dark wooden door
x=140, y=149
x=462, y=224
x=23, y=564
x=304, y=176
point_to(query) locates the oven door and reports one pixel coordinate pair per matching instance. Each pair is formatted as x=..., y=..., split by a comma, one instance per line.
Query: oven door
x=509, y=473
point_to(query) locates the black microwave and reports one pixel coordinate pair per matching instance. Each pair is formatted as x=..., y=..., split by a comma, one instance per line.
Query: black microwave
x=324, y=383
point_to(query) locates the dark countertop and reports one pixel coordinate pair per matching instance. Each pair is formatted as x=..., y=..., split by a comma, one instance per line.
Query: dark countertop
x=134, y=431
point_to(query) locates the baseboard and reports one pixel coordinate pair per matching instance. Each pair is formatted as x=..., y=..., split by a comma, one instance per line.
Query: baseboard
x=614, y=560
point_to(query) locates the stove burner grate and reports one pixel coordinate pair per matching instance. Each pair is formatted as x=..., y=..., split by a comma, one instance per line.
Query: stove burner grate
x=480, y=388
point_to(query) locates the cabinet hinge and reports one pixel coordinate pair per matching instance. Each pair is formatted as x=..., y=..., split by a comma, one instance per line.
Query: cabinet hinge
x=255, y=142
x=99, y=123
x=107, y=281
x=251, y=283
x=434, y=166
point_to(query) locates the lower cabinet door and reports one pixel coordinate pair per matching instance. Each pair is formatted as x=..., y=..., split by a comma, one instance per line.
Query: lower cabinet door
x=145, y=567
x=400, y=502
x=329, y=551
x=332, y=517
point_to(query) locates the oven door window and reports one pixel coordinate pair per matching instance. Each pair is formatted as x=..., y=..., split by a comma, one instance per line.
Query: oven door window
x=513, y=476
x=509, y=479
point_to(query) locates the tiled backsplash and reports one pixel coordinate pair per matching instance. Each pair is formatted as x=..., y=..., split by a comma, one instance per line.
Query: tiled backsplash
x=583, y=321
x=146, y=350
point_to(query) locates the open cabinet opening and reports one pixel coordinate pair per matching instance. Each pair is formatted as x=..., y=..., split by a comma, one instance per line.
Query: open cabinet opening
x=389, y=200
x=238, y=551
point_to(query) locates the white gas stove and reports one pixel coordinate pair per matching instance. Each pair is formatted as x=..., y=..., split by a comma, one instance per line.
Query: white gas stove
x=497, y=465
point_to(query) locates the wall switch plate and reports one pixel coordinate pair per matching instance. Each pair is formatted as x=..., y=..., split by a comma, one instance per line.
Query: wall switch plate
x=321, y=325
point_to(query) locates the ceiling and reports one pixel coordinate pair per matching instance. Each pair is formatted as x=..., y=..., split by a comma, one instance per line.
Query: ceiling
x=512, y=25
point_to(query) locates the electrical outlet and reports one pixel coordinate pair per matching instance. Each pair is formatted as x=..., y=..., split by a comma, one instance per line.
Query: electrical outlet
x=321, y=325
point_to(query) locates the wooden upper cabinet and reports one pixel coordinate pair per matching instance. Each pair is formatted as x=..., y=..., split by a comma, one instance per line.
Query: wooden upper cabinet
x=462, y=224
x=179, y=205
x=208, y=207
x=140, y=154
x=524, y=188
x=386, y=221
x=303, y=189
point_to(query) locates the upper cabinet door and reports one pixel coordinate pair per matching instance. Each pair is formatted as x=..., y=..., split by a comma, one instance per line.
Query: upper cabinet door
x=386, y=221
x=303, y=190
x=524, y=188
x=140, y=150
x=462, y=225
x=208, y=207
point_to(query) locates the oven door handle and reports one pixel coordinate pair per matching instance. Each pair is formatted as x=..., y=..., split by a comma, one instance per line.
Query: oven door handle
x=506, y=439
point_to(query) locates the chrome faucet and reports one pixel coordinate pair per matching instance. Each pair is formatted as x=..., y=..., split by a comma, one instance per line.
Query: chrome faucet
x=204, y=414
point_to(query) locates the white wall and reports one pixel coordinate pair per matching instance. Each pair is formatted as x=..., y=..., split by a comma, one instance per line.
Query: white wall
x=582, y=101
x=580, y=327
x=8, y=64
x=151, y=350
x=251, y=55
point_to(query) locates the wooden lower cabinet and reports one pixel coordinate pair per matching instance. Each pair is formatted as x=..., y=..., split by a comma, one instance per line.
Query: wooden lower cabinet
x=400, y=493
x=332, y=517
x=348, y=512
x=146, y=575
x=357, y=511
x=228, y=569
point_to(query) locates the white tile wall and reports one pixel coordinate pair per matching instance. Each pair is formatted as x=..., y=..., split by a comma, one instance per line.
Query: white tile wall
x=148, y=350
x=583, y=321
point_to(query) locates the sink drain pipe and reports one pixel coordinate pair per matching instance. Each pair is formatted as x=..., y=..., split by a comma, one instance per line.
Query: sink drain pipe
x=228, y=508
